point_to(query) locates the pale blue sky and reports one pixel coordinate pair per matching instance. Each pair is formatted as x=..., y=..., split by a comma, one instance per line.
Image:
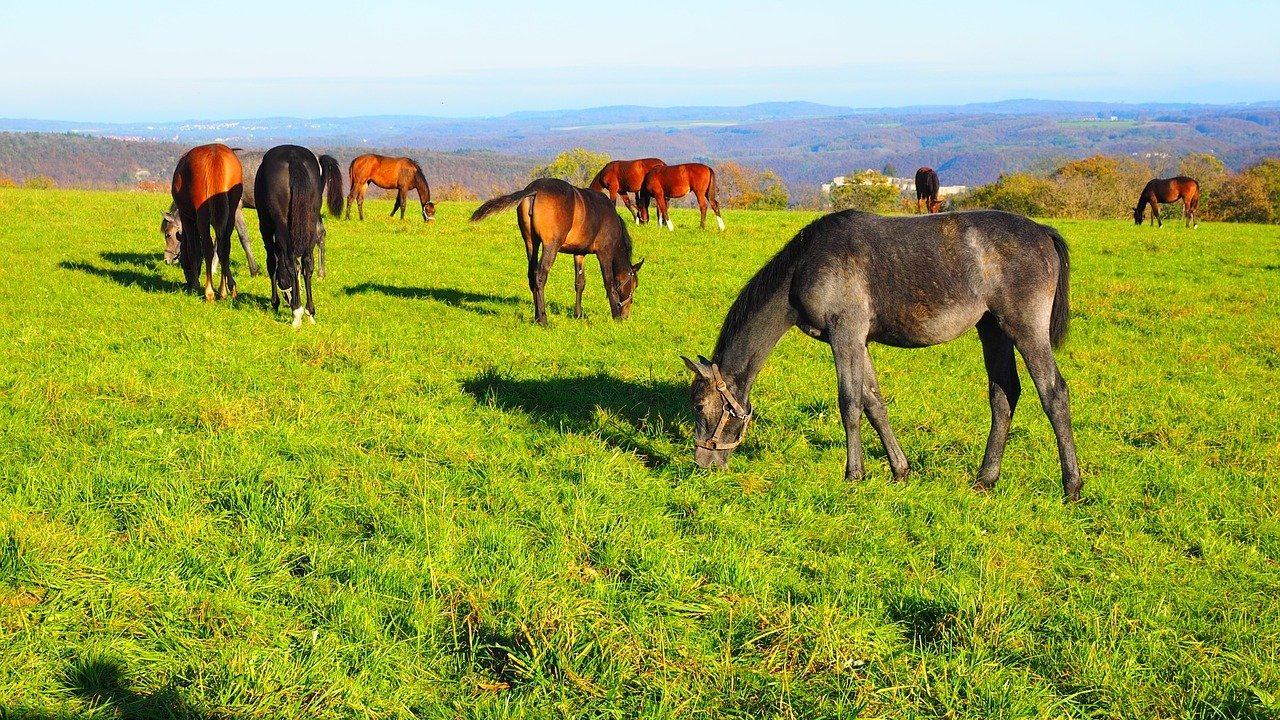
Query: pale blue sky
x=149, y=60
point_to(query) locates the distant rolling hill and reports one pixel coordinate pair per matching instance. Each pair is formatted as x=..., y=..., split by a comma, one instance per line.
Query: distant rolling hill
x=805, y=143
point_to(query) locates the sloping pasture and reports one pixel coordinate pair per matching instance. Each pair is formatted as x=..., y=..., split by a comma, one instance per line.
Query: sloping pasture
x=425, y=505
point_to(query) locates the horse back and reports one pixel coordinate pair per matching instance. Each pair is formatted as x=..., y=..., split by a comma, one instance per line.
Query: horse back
x=206, y=172
x=923, y=280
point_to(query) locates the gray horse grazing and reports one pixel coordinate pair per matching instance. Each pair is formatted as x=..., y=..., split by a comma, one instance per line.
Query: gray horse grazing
x=251, y=160
x=850, y=278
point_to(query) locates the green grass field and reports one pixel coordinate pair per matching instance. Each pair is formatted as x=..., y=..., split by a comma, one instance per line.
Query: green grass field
x=427, y=506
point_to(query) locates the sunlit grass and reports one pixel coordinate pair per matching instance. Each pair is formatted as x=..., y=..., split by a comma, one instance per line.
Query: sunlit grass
x=426, y=505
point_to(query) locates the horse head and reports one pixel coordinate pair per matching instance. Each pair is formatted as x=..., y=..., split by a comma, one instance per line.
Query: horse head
x=625, y=282
x=171, y=226
x=428, y=211
x=1137, y=215
x=722, y=418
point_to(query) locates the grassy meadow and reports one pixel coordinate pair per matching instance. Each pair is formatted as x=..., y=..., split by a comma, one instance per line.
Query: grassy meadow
x=426, y=506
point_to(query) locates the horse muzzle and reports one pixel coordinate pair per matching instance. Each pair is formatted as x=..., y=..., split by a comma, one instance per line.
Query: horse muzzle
x=716, y=459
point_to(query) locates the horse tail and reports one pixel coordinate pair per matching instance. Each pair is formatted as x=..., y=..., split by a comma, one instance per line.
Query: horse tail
x=1060, y=317
x=332, y=173
x=301, y=205
x=503, y=202
x=711, y=185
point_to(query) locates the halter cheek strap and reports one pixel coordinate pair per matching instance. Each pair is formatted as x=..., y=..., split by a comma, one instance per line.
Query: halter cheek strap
x=732, y=410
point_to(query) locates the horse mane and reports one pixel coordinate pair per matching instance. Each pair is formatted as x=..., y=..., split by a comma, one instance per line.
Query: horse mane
x=762, y=287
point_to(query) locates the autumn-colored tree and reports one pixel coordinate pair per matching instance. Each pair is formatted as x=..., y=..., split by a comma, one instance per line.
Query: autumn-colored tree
x=868, y=190
x=1016, y=193
x=1268, y=173
x=457, y=191
x=6, y=181
x=1239, y=198
x=40, y=182
x=742, y=188
x=1098, y=186
x=576, y=166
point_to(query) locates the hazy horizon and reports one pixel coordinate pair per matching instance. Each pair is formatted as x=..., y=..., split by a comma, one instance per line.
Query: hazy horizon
x=88, y=63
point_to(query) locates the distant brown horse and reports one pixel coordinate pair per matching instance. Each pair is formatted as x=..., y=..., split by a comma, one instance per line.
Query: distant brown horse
x=624, y=176
x=556, y=217
x=401, y=174
x=669, y=182
x=207, y=185
x=1166, y=191
x=927, y=190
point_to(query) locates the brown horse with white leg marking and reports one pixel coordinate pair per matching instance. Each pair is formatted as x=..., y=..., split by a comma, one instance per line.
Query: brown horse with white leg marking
x=669, y=182
x=624, y=176
x=1166, y=191
x=206, y=188
x=556, y=217
x=927, y=190
x=400, y=174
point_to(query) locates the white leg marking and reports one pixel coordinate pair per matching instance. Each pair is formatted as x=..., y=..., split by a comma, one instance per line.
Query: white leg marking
x=670, y=225
x=297, y=318
x=721, y=221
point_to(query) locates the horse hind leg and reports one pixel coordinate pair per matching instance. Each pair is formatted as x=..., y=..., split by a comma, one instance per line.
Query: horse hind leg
x=715, y=208
x=1003, y=390
x=242, y=231
x=1037, y=353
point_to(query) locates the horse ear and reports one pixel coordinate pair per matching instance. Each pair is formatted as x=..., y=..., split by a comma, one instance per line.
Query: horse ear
x=700, y=369
x=636, y=268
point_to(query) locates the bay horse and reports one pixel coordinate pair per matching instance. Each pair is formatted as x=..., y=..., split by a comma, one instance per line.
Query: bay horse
x=556, y=217
x=621, y=177
x=927, y=189
x=669, y=182
x=851, y=278
x=206, y=188
x=288, y=191
x=250, y=161
x=1166, y=191
x=401, y=173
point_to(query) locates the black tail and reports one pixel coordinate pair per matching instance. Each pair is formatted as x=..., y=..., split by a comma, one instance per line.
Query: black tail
x=332, y=172
x=503, y=202
x=302, y=226
x=1060, y=318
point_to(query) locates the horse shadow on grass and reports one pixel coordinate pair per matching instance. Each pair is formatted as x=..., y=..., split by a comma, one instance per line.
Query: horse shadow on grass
x=126, y=277
x=107, y=689
x=453, y=297
x=638, y=417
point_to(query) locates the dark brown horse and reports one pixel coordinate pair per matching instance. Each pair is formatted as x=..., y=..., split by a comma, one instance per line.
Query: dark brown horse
x=851, y=278
x=402, y=174
x=624, y=176
x=1166, y=191
x=556, y=217
x=927, y=189
x=668, y=182
x=207, y=185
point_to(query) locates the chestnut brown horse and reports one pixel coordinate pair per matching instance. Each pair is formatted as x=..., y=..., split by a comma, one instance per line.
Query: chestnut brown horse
x=206, y=188
x=556, y=217
x=927, y=190
x=668, y=182
x=400, y=174
x=1166, y=191
x=624, y=176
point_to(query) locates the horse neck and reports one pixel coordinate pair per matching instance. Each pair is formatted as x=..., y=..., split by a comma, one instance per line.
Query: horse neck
x=424, y=190
x=759, y=318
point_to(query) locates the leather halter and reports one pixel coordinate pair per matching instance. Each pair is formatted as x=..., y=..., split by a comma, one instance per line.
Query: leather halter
x=732, y=409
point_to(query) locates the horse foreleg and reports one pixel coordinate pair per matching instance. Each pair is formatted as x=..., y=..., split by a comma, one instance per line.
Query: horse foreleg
x=873, y=405
x=664, y=218
x=579, y=283
x=1003, y=390
x=1054, y=397
x=849, y=349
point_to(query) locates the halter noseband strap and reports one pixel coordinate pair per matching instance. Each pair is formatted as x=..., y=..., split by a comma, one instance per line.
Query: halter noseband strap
x=732, y=409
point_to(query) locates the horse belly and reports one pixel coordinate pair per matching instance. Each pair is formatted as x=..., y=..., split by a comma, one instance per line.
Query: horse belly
x=923, y=323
